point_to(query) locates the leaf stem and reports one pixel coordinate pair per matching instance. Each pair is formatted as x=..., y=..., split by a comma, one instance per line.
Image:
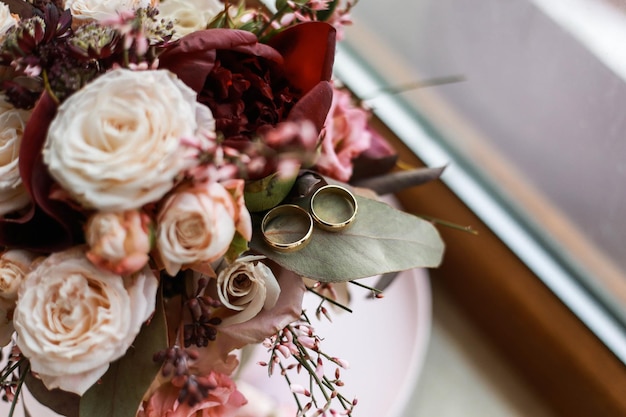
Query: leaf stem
x=467, y=229
x=367, y=287
x=330, y=300
x=284, y=372
x=414, y=85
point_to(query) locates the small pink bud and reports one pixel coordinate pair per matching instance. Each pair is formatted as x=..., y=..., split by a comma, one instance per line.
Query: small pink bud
x=319, y=369
x=341, y=362
x=299, y=389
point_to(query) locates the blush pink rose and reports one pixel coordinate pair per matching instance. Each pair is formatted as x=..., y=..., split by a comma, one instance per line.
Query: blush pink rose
x=268, y=321
x=223, y=401
x=197, y=225
x=119, y=242
x=345, y=136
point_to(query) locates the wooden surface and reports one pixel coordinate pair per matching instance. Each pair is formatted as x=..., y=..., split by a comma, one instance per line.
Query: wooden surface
x=552, y=350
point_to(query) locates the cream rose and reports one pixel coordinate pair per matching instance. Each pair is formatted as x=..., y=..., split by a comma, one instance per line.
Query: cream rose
x=119, y=242
x=7, y=20
x=189, y=15
x=118, y=143
x=88, y=10
x=14, y=265
x=246, y=287
x=196, y=226
x=13, y=195
x=72, y=319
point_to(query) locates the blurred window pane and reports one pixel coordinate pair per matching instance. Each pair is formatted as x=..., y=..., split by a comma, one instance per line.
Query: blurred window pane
x=541, y=113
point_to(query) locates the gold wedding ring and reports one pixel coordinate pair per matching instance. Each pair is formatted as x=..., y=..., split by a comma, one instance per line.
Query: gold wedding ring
x=333, y=207
x=287, y=228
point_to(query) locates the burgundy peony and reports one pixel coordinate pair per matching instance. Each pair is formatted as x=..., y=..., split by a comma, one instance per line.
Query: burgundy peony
x=251, y=87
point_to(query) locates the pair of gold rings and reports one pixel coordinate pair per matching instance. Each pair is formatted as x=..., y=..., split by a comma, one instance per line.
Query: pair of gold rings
x=288, y=227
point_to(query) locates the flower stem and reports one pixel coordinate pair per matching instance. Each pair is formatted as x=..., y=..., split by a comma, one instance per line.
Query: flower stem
x=330, y=300
x=10, y=370
x=272, y=19
x=18, y=389
x=284, y=372
x=48, y=87
x=367, y=287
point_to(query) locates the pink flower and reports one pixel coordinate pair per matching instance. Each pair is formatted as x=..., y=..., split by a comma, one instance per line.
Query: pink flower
x=268, y=321
x=119, y=242
x=197, y=225
x=243, y=222
x=345, y=136
x=246, y=287
x=223, y=400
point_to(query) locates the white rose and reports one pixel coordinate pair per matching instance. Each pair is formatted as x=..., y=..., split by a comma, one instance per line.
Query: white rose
x=246, y=287
x=7, y=20
x=14, y=265
x=189, y=15
x=99, y=10
x=13, y=195
x=118, y=143
x=72, y=319
x=196, y=226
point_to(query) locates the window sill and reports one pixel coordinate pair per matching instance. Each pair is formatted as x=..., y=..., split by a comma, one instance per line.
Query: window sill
x=561, y=360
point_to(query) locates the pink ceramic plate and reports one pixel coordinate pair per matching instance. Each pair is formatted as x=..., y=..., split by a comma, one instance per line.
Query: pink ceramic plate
x=384, y=340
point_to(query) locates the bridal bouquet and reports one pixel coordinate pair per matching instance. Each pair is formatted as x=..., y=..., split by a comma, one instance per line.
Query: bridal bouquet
x=174, y=176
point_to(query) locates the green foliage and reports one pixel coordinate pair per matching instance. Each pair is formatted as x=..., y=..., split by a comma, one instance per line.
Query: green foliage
x=61, y=402
x=121, y=389
x=324, y=15
x=236, y=248
x=382, y=239
x=267, y=192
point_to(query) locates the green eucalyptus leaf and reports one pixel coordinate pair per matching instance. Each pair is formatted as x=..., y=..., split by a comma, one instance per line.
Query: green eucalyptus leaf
x=61, y=402
x=122, y=387
x=238, y=245
x=397, y=181
x=381, y=239
x=267, y=192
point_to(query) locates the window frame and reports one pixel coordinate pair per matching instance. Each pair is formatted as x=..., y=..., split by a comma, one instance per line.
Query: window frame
x=422, y=138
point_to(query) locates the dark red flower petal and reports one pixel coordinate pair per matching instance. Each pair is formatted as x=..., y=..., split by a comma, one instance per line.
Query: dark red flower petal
x=378, y=159
x=314, y=105
x=192, y=57
x=309, y=52
x=48, y=225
